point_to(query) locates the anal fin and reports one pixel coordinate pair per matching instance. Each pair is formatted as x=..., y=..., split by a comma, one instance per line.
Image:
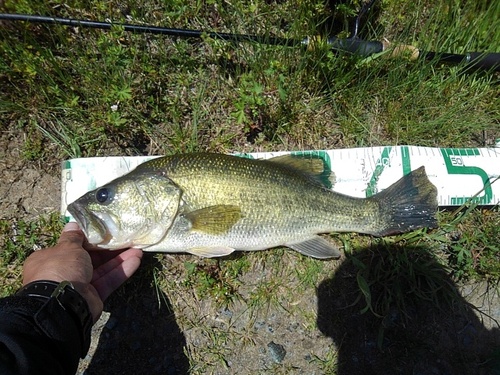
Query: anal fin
x=316, y=247
x=211, y=252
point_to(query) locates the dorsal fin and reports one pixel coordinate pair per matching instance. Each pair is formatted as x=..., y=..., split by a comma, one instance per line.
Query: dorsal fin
x=310, y=165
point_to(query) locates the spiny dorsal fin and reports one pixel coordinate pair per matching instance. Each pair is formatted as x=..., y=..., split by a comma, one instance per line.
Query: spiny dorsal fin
x=304, y=164
x=313, y=167
x=214, y=219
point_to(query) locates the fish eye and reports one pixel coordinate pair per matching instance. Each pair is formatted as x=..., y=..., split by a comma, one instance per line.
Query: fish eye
x=104, y=195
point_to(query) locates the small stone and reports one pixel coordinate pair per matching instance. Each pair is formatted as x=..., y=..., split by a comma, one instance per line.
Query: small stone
x=226, y=313
x=307, y=344
x=258, y=324
x=276, y=351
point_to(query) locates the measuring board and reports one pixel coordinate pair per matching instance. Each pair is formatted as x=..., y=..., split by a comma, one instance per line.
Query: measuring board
x=460, y=174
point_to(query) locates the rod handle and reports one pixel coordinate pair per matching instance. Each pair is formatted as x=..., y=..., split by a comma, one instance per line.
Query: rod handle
x=363, y=48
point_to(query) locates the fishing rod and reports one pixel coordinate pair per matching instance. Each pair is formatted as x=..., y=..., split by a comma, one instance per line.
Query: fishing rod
x=353, y=44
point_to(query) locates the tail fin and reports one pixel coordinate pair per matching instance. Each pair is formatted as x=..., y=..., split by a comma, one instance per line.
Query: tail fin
x=408, y=204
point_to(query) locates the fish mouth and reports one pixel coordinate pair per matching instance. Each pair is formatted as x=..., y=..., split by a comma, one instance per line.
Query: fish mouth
x=76, y=211
x=92, y=226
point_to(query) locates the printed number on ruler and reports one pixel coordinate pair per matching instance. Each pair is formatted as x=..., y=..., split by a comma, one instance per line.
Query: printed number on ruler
x=453, y=159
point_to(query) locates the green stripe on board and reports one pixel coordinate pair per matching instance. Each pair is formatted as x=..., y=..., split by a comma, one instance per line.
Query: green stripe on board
x=460, y=151
x=405, y=159
x=371, y=189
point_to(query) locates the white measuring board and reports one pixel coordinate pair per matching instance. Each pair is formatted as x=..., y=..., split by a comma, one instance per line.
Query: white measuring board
x=459, y=174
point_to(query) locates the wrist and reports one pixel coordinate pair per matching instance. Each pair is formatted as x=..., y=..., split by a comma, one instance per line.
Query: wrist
x=67, y=298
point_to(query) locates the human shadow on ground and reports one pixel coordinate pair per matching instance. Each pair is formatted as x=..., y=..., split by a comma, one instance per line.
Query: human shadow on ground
x=410, y=319
x=141, y=335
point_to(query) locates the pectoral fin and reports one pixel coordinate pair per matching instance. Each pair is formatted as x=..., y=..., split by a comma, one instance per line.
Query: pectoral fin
x=211, y=252
x=214, y=219
x=316, y=247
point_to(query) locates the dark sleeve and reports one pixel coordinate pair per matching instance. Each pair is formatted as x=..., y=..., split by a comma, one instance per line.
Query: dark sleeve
x=38, y=337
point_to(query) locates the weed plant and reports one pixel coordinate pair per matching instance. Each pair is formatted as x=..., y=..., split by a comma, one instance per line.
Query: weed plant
x=99, y=93
x=18, y=239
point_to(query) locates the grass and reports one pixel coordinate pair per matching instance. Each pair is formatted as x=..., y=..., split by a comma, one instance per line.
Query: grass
x=74, y=92
x=19, y=239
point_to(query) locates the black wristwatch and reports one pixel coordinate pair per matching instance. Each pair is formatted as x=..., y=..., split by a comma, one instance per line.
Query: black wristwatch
x=69, y=299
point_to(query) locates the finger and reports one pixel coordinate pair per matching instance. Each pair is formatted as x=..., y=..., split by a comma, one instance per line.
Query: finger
x=117, y=259
x=115, y=276
x=101, y=256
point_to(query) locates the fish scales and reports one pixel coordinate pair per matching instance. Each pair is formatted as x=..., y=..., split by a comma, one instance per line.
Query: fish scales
x=269, y=194
x=213, y=204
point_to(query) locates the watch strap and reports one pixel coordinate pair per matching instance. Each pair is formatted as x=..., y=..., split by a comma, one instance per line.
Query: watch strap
x=68, y=299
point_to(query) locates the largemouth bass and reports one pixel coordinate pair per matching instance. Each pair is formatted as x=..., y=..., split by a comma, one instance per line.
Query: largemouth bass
x=213, y=204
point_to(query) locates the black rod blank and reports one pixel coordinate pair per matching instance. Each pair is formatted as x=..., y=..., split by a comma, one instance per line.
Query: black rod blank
x=354, y=45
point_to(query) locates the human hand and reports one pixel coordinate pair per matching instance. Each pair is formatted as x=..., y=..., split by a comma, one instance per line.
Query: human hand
x=95, y=274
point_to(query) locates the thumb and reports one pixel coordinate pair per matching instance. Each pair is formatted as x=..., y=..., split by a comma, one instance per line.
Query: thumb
x=71, y=233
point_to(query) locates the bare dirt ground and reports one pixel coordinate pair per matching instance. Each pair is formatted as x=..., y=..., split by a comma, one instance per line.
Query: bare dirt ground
x=146, y=331
x=27, y=189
